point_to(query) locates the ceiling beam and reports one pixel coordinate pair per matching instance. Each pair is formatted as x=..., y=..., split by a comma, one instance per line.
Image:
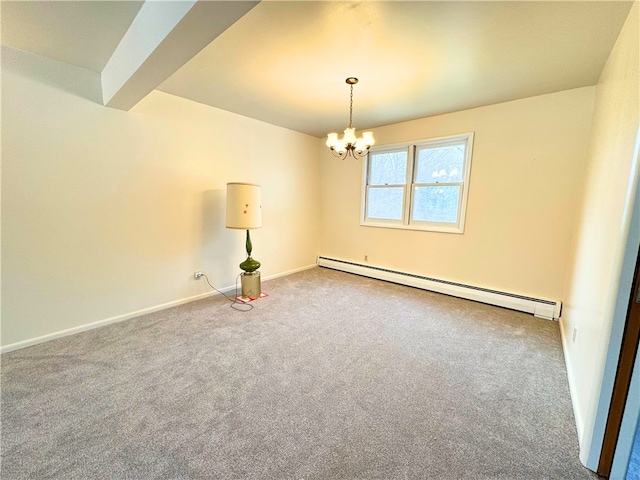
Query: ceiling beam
x=162, y=38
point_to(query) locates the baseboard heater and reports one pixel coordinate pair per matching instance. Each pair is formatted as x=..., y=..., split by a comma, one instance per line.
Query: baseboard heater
x=547, y=309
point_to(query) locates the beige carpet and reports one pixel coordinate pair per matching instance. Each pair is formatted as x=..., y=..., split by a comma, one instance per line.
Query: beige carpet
x=331, y=376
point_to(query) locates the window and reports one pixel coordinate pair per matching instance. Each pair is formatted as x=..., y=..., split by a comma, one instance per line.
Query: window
x=420, y=186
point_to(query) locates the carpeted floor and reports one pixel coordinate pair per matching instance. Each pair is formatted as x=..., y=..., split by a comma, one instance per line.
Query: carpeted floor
x=333, y=376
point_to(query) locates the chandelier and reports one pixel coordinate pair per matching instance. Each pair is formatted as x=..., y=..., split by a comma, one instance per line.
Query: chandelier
x=350, y=145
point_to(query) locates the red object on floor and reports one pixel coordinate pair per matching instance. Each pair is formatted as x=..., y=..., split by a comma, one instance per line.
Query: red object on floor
x=249, y=299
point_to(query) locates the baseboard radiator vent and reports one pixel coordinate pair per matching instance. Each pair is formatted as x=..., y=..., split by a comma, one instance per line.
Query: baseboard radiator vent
x=547, y=309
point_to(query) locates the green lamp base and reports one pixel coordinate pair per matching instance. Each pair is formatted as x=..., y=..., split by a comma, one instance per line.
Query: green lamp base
x=250, y=265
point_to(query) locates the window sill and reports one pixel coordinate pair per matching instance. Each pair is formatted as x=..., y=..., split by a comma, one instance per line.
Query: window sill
x=423, y=228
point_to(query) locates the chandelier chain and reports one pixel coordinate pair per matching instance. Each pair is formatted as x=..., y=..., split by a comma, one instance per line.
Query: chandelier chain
x=351, y=107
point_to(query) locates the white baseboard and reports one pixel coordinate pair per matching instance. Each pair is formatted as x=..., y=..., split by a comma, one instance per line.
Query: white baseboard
x=542, y=308
x=289, y=272
x=577, y=411
x=127, y=316
x=106, y=321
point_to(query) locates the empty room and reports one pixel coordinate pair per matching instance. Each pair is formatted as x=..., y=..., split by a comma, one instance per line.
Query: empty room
x=320, y=240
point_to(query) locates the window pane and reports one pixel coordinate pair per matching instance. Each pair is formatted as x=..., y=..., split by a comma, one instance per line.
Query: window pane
x=385, y=203
x=441, y=164
x=388, y=168
x=436, y=204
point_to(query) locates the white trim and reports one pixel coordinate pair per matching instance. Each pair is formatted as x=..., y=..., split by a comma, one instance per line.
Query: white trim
x=542, y=308
x=467, y=181
x=363, y=189
x=127, y=316
x=290, y=272
x=630, y=422
x=415, y=226
x=571, y=378
x=106, y=321
x=442, y=140
x=408, y=191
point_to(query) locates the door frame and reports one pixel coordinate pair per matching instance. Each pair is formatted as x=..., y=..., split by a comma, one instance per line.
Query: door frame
x=622, y=383
x=593, y=439
x=630, y=422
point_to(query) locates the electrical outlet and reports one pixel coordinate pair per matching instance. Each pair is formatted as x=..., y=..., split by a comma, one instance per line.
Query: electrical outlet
x=197, y=275
x=575, y=332
x=366, y=258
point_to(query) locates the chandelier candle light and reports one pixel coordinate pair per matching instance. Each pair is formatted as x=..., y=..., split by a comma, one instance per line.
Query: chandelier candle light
x=350, y=145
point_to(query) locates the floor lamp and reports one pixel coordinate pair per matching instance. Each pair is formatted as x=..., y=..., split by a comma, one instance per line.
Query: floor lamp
x=244, y=212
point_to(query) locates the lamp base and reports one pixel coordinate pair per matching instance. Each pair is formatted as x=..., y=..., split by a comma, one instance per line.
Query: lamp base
x=250, y=265
x=251, y=287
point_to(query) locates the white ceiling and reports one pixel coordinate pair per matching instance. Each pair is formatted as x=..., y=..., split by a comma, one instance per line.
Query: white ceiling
x=285, y=62
x=83, y=34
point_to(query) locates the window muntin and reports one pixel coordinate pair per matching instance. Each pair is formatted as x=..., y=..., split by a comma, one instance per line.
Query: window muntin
x=422, y=185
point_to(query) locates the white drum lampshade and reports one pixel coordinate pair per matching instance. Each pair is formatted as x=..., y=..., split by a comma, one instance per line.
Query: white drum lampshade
x=244, y=208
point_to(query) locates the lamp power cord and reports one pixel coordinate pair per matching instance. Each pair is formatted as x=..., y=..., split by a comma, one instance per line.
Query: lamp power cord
x=235, y=304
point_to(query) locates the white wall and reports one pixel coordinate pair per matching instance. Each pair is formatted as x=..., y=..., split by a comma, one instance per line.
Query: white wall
x=602, y=229
x=526, y=175
x=106, y=213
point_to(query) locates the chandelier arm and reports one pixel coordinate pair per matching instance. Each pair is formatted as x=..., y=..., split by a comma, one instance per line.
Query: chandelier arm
x=358, y=156
x=340, y=156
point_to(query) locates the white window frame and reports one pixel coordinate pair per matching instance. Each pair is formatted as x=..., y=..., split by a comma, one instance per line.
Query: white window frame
x=410, y=185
